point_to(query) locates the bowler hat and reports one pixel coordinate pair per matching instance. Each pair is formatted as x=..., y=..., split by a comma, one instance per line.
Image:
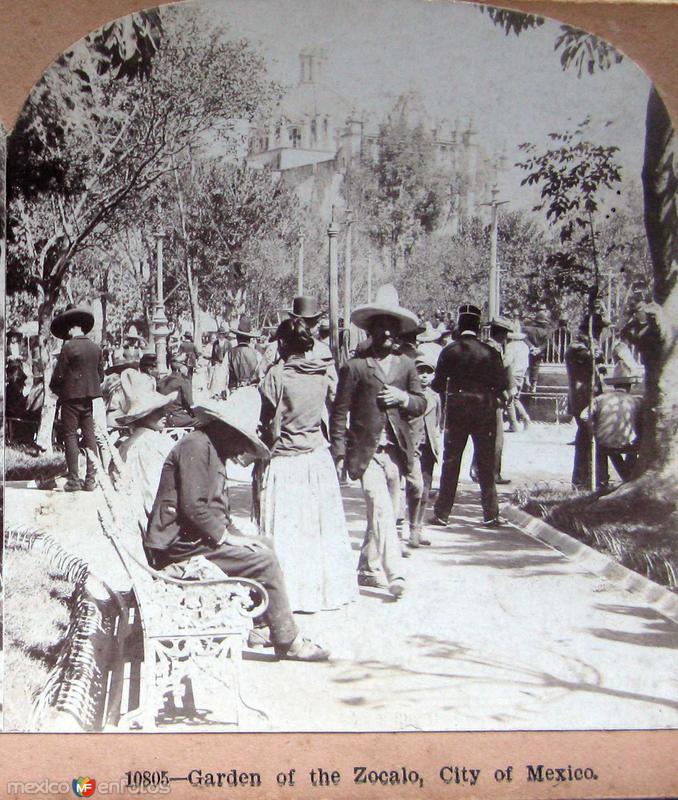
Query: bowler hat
x=148, y=359
x=73, y=315
x=306, y=307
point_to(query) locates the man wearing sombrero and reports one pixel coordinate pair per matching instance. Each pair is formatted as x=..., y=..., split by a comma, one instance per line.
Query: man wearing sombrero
x=381, y=391
x=76, y=381
x=191, y=514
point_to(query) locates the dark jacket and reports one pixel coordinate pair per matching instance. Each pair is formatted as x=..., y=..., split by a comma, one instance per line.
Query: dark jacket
x=360, y=381
x=578, y=362
x=191, y=511
x=178, y=411
x=79, y=370
x=469, y=365
x=242, y=367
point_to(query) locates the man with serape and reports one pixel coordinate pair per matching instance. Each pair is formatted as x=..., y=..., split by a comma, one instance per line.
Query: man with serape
x=470, y=378
x=380, y=390
x=76, y=381
x=191, y=514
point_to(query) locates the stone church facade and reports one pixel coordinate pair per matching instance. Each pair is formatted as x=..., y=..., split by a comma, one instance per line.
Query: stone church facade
x=316, y=133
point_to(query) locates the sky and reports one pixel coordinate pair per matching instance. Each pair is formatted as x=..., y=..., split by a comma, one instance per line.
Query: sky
x=512, y=87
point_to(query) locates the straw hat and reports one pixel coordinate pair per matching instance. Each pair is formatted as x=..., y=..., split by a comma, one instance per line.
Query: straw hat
x=385, y=304
x=145, y=403
x=430, y=334
x=73, y=315
x=502, y=323
x=241, y=412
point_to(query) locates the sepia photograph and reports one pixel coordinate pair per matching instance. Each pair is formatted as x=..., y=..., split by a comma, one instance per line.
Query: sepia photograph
x=340, y=377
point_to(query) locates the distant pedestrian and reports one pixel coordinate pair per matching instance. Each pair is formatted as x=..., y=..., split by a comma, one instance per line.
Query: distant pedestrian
x=538, y=333
x=178, y=413
x=582, y=360
x=190, y=351
x=243, y=358
x=517, y=359
x=76, y=381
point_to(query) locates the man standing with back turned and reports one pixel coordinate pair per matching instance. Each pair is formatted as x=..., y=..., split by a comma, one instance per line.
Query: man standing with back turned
x=470, y=379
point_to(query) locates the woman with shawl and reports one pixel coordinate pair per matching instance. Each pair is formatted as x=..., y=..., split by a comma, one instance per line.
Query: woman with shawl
x=301, y=508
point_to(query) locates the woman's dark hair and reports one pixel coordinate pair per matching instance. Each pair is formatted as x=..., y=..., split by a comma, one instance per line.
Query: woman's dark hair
x=294, y=336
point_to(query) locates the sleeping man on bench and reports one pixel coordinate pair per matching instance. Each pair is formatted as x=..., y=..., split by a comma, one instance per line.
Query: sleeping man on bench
x=191, y=516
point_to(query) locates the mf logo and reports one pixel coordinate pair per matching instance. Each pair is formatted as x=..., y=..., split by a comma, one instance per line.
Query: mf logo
x=83, y=787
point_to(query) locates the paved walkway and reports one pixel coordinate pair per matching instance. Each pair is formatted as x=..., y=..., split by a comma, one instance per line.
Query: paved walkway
x=496, y=631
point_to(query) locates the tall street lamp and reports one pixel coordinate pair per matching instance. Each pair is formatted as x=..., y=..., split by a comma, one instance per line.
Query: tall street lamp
x=495, y=287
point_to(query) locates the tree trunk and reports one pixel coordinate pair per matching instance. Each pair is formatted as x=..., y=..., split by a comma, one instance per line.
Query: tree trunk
x=192, y=285
x=660, y=184
x=655, y=491
x=45, y=316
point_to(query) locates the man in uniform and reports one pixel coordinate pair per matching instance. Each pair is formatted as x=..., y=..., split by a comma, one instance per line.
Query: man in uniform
x=471, y=379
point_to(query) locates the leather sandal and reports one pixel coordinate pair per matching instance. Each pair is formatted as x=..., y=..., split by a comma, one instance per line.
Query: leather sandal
x=302, y=650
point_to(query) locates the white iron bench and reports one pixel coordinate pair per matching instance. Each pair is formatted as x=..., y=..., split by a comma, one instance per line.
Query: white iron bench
x=194, y=619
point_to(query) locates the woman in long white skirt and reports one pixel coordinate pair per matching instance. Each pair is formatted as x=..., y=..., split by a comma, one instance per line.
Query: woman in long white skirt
x=301, y=508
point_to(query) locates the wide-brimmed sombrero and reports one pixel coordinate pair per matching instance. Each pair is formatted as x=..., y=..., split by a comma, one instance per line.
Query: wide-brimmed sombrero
x=385, y=303
x=73, y=315
x=241, y=412
x=143, y=404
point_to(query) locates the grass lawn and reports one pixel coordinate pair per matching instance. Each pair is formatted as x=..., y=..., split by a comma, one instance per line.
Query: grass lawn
x=37, y=616
x=22, y=464
x=638, y=540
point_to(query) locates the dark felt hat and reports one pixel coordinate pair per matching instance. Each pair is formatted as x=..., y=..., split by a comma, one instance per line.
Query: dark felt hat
x=245, y=328
x=306, y=307
x=73, y=315
x=148, y=359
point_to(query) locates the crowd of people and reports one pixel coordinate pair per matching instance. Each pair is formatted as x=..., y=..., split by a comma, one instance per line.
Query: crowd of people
x=404, y=401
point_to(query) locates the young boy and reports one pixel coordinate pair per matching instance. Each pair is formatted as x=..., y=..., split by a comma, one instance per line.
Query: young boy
x=426, y=432
x=77, y=381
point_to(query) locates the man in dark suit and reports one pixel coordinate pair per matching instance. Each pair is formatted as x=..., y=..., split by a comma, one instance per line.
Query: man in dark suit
x=76, y=381
x=380, y=390
x=470, y=378
x=191, y=515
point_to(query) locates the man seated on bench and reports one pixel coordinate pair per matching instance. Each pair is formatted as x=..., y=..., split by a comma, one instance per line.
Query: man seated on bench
x=191, y=514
